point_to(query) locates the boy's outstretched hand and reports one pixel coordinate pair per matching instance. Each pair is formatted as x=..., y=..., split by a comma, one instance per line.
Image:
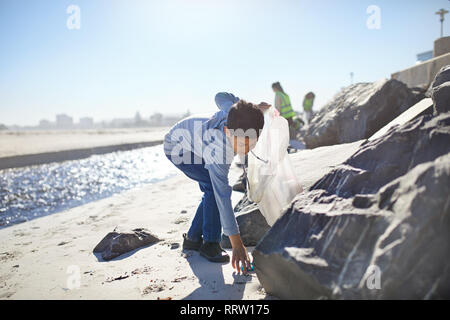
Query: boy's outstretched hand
x=240, y=255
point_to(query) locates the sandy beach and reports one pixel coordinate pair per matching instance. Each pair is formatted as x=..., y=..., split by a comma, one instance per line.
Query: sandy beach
x=340, y=135
x=44, y=258
x=41, y=258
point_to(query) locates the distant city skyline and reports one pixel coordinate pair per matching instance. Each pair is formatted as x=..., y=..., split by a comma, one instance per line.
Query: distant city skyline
x=65, y=121
x=112, y=58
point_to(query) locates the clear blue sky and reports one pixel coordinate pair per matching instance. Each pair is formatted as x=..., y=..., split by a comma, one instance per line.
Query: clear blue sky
x=172, y=55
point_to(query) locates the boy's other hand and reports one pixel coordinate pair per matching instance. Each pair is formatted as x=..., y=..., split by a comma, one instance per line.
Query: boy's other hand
x=240, y=258
x=240, y=255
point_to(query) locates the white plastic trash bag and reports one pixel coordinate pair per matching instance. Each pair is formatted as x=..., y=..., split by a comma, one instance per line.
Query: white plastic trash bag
x=272, y=183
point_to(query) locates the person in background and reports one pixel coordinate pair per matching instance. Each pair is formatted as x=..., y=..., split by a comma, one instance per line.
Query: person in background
x=284, y=107
x=308, y=102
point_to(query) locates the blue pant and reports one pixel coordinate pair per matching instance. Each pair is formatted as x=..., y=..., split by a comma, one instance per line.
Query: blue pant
x=206, y=221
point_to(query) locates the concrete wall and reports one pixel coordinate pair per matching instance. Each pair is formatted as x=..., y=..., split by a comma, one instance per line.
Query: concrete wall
x=423, y=74
x=441, y=46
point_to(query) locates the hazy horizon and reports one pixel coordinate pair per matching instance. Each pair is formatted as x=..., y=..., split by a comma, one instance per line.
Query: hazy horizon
x=108, y=120
x=171, y=56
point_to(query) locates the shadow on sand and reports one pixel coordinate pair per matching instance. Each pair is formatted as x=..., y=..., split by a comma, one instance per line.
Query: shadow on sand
x=210, y=277
x=212, y=282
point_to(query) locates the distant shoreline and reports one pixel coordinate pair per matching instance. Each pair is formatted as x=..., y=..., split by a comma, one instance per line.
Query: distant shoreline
x=20, y=149
x=65, y=155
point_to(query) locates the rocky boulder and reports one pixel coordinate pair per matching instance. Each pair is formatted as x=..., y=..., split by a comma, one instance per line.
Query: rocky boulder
x=120, y=241
x=440, y=91
x=374, y=227
x=357, y=112
x=251, y=222
x=441, y=77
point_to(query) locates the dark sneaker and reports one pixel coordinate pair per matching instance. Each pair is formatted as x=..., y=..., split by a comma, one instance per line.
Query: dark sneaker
x=214, y=252
x=189, y=244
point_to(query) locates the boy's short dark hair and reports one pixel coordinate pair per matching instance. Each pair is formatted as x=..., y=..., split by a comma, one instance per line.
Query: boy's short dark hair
x=244, y=116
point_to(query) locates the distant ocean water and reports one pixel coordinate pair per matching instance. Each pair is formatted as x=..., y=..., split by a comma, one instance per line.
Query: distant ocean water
x=31, y=192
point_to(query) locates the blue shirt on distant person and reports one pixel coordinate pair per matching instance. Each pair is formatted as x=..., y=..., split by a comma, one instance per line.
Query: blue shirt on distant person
x=205, y=138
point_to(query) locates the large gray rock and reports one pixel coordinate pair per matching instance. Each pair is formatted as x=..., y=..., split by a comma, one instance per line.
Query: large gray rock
x=251, y=222
x=441, y=98
x=357, y=112
x=380, y=161
x=440, y=91
x=441, y=77
x=120, y=241
x=384, y=212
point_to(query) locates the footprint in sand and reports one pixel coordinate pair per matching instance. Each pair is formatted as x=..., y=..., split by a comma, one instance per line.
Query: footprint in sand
x=144, y=270
x=5, y=256
x=181, y=220
x=155, y=286
x=179, y=279
x=6, y=295
x=172, y=245
x=24, y=243
x=94, y=218
x=20, y=233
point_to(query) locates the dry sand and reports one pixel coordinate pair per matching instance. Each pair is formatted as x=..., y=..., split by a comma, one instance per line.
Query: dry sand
x=40, y=259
